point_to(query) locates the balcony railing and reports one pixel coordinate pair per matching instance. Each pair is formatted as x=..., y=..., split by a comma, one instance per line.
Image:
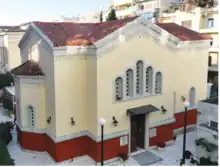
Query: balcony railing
x=210, y=135
x=127, y=11
x=213, y=49
x=208, y=127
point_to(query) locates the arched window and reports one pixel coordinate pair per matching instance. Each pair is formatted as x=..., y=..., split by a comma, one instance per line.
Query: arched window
x=158, y=83
x=118, y=89
x=139, y=77
x=31, y=118
x=149, y=79
x=192, y=97
x=129, y=82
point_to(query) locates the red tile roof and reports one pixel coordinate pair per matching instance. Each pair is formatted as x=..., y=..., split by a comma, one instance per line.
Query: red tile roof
x=67, y=33
x=182, y=33
x=30, y=68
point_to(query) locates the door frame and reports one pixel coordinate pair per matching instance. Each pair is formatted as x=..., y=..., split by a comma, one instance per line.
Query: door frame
x=146, y=140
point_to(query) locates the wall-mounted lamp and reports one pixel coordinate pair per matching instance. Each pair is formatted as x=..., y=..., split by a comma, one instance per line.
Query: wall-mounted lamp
x=163, y=110
x=49, y=120
x=115, y=122
x=183, y=98
x=72, y=121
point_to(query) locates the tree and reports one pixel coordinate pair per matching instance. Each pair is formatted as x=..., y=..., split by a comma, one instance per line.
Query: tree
x=6, y=80
x=5, y=158
x=7, y=103
x=6, y=132
x=205, y=3
x=112, y=15
x=201, y=3
x=101, y=16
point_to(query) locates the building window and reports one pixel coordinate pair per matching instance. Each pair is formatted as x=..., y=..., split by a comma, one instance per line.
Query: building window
x=214, y=91
x=210, y=22
x=158, y=83
x=187, y=24
x=211, y=42
x=129, y=82
x=213, y=124
x=149, y=79
x=139, y=77
x=118, y=89
x=31, y=118
x=192, y=97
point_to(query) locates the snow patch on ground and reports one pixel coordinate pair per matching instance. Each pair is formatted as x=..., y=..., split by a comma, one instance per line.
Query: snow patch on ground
x=171, y=155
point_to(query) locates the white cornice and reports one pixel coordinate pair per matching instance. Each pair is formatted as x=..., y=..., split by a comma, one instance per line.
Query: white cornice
x=74, y=50
x=42, y=35
x=25, y=36
x=31, y=79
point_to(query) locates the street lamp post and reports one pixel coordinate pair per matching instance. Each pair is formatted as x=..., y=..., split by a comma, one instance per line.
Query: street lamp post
x=102, y=123
x=186, y=105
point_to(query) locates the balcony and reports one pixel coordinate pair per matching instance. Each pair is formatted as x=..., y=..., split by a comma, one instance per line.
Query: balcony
x=213, y=49
x=204, y=132
x=208, y=30
x=126, y=12
x=138, y=9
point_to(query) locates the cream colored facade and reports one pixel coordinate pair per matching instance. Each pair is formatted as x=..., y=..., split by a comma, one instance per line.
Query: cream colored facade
x=9, y=51
x=205, y=21
x=80, y=83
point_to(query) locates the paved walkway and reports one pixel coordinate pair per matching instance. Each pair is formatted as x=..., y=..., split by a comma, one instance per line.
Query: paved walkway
x=170, y=155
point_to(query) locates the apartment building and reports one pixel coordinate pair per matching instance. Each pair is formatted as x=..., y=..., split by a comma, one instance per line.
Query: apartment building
x=207, y=131
x=9, y=51
x=201, y=20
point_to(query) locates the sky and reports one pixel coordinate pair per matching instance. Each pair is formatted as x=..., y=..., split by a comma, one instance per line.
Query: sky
x=15, y=12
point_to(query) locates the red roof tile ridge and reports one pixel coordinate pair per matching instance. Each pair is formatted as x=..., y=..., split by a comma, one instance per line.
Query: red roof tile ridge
x=52, y=22
x=29, y=67
x=204, y=36
x=63, y=22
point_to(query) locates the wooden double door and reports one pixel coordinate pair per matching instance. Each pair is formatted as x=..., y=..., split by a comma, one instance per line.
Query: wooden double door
x=137, y=132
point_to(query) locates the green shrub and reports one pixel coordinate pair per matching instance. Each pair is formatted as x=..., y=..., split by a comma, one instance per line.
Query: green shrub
x=6, y=80
x=5, y=132
x=206, y=161
x=10, y=113
x=7, y=103
x=5, y=158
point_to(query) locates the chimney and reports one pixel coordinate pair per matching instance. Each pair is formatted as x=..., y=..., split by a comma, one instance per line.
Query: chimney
x=156, y=15
x=210, y=61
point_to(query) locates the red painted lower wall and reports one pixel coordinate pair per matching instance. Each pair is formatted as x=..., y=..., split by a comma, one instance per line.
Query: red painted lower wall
x=165, y=132
x=31, y=141
x=86, y=146
x=70, y=148
x=191, y=118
